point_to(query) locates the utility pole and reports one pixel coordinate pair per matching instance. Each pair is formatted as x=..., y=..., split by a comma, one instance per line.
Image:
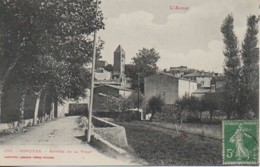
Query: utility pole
x=138, y=86
x=92, y=84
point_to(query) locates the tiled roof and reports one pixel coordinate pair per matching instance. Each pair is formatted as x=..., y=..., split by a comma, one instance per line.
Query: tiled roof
x=198, y=74
x=170, y=75
x=117, y=87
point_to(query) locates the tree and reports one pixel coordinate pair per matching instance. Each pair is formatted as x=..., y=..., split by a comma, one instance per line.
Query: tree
x=210, y=103
x=144, y=64
x=109, y=67
x=155, y=105
x=133, y=99
x=231, y=67
x=190, y=105
x=250, y=69
x=55, y=36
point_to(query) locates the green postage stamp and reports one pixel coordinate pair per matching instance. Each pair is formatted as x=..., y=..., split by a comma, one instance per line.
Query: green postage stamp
x=240, y=142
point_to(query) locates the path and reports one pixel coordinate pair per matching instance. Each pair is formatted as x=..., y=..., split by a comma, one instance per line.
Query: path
x=58, y=142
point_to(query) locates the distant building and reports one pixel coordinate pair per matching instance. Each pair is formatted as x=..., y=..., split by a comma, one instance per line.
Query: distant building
x=102, y=74
x=100, y=64
x=169, y=87
x=202, y=78
x=119, y=63
x=216, y=89
x=112, y=90
x=180, y=68
x=75, y=107
x=104, y=92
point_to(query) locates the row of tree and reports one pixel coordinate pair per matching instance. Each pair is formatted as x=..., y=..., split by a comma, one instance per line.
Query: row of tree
x=45, y=46
x=241, y=69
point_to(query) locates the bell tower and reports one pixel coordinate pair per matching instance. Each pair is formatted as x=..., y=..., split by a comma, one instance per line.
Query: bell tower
x=119, y=63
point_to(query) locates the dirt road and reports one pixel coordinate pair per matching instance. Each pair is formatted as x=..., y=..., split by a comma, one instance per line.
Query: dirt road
x=58, y=142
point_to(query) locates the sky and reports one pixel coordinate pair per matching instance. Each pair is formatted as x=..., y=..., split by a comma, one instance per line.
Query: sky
x=184, y=32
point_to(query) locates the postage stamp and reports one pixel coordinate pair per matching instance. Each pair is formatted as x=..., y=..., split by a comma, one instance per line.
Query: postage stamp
x=240, y=142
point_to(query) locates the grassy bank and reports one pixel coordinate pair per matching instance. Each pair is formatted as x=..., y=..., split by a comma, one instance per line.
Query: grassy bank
x=159, y=146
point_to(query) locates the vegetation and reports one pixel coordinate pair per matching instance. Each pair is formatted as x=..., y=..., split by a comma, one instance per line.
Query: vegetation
x=232, y=66
x=249, y=86
x=161, y=146
x=242, y=82
x=45, y=46
x=144, y=64
x=155, y=105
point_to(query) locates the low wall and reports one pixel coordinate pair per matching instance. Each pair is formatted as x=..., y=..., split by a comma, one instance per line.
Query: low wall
x=111, y=132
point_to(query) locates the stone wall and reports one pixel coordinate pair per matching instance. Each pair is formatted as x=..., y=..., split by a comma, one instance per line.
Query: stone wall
x=111, y=132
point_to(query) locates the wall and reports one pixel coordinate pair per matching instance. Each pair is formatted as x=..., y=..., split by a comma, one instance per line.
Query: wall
x=113, y=133
x=98, y=103
x=102, y=75
x=107, y=90
x=204, y=81
x=186, y=87
x=64, y=108
x=125, y=93
x=161, y=84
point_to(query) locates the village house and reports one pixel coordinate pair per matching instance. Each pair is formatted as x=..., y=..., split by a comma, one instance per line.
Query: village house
x=169, y=87
x=216, y=87
x=103, y=92
x=202, y=78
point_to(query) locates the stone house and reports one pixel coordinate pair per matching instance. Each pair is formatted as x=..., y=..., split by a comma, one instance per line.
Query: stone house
x=202, y=78
x=101, y=93
x=169, y=87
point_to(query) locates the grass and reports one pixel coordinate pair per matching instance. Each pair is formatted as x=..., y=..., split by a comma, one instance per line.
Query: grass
x=160, y=146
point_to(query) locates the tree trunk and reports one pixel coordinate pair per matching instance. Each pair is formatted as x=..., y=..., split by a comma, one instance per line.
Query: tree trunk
x=210, y=115
x=36, y=109
x=55, y=108
x=21, y=110
x=4, y=77
x=43, y=107
x=1, y=95
x=52, y=109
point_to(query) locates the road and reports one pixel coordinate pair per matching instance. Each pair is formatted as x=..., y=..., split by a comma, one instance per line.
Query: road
x=57, y=142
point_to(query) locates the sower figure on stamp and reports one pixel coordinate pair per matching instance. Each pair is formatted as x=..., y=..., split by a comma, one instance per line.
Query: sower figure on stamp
x=237, y=138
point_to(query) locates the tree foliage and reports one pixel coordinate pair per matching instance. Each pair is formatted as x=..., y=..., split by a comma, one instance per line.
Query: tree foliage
x=133, y=100
x=250, y=69
x=231, y=65
x=155, y=105
x=144, y=64
x=47, y=44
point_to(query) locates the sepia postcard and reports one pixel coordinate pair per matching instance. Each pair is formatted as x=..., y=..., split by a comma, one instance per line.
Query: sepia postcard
x=129, y=82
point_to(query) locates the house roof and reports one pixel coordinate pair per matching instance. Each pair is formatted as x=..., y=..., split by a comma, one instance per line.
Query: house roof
x=170, y=75
x=198, y=74
x=202, y=91
x=116, y=87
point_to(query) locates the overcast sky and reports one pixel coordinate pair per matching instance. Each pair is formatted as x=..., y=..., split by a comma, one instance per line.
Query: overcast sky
x=189, y=36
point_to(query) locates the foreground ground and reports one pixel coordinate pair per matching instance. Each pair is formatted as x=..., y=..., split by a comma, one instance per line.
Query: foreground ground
x=57, y=142
x=160, y=146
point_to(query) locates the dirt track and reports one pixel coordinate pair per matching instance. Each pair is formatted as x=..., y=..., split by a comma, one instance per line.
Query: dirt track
x=60, y=139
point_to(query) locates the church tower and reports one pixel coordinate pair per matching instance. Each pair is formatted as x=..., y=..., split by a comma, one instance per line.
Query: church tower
x=119, y=63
